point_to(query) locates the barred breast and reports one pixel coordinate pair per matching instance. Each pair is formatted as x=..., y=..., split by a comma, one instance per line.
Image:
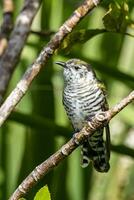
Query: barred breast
x=82, y=102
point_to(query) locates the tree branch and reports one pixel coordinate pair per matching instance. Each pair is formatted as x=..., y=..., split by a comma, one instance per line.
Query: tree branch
x=45, y=54
x=42, y=33
x=40, y=123
x=40, y=171
x=16, y=43
x=7, y=24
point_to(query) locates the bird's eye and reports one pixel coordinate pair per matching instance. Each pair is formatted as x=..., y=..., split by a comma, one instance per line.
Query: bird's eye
x=76, y=67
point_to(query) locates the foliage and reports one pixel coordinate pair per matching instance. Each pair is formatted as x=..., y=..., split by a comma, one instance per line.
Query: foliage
x=43, y=194
x=79, y=36
x=117, y=17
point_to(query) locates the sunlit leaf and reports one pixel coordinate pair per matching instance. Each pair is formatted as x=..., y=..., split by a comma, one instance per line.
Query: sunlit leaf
x=117, y=17
x=22, y=199
x=79, y=36
x=43, y=194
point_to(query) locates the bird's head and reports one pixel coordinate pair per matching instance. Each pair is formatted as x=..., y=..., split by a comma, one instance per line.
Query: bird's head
x=76, y=70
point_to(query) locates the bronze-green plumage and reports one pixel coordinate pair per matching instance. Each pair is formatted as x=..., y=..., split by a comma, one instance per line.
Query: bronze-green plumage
x=83, y=97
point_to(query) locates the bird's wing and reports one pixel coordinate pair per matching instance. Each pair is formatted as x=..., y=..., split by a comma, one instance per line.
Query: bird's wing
x=105, y=107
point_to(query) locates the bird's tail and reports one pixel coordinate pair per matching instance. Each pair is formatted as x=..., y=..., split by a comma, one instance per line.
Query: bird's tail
x=96, y=150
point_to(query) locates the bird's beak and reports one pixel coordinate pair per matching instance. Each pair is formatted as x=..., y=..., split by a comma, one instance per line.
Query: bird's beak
x=63, y=64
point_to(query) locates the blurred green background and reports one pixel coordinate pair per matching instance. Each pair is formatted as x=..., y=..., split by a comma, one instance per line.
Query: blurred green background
x=39, y=125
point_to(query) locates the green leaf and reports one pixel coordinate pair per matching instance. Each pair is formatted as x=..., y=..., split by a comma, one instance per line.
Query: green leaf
x=117, y=17
x=79, y=36
x=43, y=194
x=22, y=199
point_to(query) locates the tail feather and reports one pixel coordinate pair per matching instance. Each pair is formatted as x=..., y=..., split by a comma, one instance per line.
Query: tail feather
x=95, y=150
x=85, y=154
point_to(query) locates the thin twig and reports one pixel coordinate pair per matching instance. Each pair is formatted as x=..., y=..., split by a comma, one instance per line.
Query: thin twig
x=42, y=33
x=41, y=170
x=16, y=43
x=7, y=24
x=45, y=54
x=98, y=32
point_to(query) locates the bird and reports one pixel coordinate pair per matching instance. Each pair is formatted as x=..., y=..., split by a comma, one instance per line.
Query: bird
x=84, y=95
